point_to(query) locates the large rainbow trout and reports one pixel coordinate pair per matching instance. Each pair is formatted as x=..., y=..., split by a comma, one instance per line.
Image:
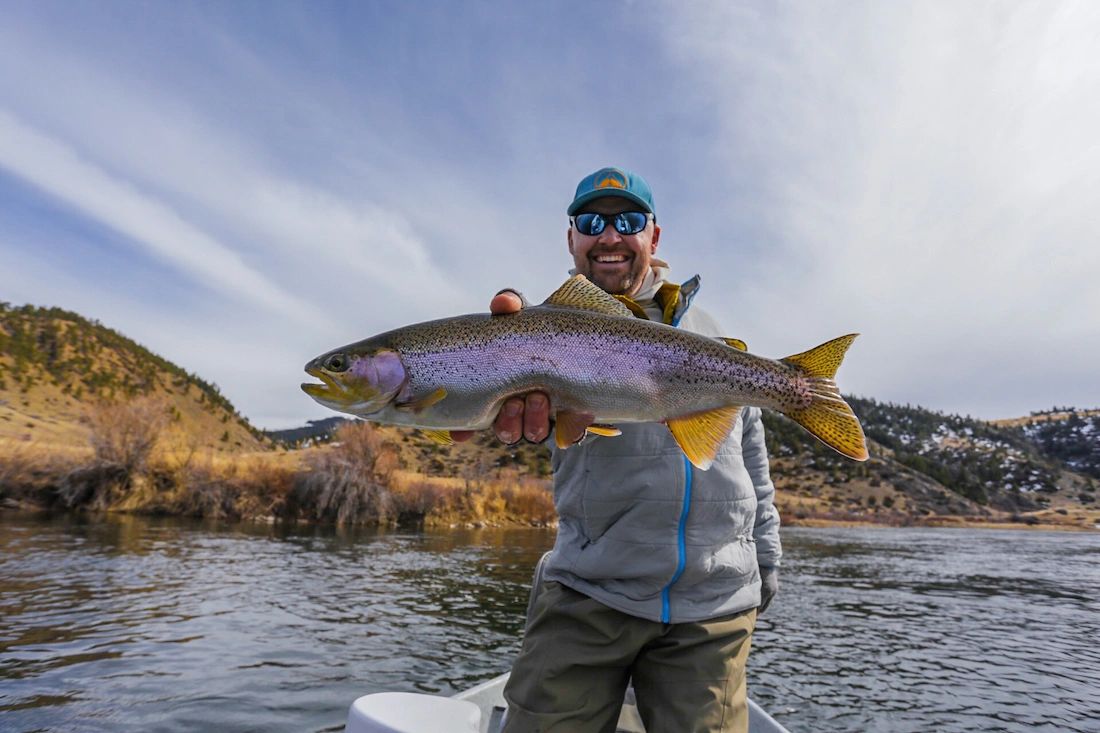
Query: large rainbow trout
x=599, y=365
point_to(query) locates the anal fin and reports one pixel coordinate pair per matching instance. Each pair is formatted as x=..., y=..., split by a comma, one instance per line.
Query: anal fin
x=608, y=431
x=702, y=434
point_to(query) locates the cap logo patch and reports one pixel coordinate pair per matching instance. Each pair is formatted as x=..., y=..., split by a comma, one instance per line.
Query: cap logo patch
x=611, y=179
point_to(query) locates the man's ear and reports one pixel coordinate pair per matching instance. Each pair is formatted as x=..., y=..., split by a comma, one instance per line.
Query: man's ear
x=569, y=238
x=653, y=243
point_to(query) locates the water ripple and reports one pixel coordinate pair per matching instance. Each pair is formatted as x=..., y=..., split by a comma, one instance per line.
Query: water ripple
x=138, y=625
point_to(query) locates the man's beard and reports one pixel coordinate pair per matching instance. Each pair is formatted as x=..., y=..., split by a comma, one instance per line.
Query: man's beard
x=616, y=284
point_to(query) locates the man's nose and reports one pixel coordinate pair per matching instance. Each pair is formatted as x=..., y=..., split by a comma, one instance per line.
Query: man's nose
x=609, y=235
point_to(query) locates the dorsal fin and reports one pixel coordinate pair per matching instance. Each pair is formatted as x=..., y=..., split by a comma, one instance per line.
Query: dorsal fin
x=578, y=292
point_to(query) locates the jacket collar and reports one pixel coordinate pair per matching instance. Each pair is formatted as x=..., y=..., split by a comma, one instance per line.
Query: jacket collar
x=671, y=299
x=656, y=291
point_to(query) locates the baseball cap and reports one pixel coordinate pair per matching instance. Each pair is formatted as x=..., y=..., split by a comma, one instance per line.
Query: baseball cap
x=612, y=182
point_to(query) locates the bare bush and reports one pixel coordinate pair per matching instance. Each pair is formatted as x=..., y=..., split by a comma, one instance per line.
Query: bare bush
x=205, y=491
x=124, y=433
x=95, y=487
x=348, y=482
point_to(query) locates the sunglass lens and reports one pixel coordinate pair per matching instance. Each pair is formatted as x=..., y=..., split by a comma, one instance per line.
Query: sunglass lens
x=590, y=225
x=630, y=222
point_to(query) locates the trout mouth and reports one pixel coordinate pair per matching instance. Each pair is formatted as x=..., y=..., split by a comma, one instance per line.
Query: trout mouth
x=328, y=391
x=355, y=383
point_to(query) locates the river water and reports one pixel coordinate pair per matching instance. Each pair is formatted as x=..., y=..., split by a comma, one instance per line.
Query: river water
x=131, y=624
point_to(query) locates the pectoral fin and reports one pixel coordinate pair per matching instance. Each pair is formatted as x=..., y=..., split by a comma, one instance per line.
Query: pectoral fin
x=702, y=434
x=609, y=431
x=419, y=404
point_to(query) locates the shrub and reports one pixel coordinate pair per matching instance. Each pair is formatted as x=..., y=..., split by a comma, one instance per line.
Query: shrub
x=349, y=482
x=124, y=433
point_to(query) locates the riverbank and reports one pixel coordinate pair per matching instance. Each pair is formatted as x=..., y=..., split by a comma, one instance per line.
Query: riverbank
x=364, y=478
x=1032, y=522
x=355, y=480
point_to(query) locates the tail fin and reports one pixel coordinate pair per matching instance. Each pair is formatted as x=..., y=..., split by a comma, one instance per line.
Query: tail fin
x=828, y=417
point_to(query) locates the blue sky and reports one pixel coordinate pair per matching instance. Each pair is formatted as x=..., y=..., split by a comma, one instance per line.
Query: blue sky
x=241, y=186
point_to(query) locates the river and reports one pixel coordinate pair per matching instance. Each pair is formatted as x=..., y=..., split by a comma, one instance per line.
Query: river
x=132, y=624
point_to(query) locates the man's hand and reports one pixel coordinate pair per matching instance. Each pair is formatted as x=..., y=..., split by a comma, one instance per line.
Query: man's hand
x=526, y=416
x=769, y=586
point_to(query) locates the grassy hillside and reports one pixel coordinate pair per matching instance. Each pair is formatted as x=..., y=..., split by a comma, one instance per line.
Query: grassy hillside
x=56, y=365
x=70, y=387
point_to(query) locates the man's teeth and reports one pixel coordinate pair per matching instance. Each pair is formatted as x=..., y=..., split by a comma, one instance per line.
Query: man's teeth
x=610, y=258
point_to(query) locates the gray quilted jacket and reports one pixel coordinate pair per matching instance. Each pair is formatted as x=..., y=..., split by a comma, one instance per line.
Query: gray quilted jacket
x=643, y=531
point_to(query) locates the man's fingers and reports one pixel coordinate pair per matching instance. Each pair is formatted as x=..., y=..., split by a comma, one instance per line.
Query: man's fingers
x=536, y=417
x=460, y=436
x=509, y=423
x=507, y=301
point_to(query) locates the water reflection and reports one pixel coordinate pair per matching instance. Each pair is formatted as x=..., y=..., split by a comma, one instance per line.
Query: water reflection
x=913, y=630
x=131, y=624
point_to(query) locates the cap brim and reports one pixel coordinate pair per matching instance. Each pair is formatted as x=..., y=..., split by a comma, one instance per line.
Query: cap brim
x=603, y=193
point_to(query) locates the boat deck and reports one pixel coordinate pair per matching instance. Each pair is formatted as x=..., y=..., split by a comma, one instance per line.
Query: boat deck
x=489, y=697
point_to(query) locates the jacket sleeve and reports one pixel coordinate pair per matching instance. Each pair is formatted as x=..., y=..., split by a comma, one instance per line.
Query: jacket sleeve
x=755, y=452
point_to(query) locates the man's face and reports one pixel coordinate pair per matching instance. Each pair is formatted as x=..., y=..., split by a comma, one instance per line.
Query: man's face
x=618, y=263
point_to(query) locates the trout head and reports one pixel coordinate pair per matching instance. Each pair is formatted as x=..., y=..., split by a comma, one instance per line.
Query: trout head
x=356, y=382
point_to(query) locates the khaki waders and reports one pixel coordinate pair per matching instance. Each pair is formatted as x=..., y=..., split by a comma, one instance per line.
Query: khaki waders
x=579, y=655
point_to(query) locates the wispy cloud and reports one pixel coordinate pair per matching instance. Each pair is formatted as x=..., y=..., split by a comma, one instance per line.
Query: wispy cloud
x=930, y=172
x=921, y=172
x=60, y=172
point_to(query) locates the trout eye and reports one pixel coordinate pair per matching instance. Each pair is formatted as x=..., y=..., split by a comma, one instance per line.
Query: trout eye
x=336, y=363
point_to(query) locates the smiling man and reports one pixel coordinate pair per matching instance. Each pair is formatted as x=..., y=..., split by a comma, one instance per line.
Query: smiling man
x=659, y=569
x=613, y=232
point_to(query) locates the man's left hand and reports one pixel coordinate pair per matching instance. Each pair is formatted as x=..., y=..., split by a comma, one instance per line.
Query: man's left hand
x=769, y=586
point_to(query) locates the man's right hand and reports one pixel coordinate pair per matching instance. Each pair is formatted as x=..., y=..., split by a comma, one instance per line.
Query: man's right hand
x=526, y=416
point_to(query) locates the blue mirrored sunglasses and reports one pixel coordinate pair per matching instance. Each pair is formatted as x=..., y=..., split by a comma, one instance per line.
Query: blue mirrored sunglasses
x=628, y=222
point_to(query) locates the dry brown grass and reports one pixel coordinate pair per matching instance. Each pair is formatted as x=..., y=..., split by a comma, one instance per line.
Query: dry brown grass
x=28, y=468
x=502, y=496
x=352, y=481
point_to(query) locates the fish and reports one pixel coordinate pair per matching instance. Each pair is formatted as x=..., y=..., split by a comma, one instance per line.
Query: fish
x=600, y=367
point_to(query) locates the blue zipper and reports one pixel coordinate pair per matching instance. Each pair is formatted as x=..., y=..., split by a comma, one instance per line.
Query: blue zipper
x=681, y=541
x=681, y=544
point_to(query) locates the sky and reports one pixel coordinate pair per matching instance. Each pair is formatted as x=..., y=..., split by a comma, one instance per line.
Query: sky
x=242, y=186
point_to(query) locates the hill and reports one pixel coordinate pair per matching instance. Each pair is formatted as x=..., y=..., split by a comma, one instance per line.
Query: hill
x=1065, y=433
x=925, y=466
x=55, y=365
x=928, y=464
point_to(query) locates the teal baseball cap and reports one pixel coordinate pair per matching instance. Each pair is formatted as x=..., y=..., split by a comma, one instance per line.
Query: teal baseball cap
x=612, y=182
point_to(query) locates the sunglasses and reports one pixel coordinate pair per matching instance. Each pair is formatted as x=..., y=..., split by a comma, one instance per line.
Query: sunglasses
x=628, y=222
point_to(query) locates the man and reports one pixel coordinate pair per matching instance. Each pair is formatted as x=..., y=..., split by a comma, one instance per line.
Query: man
x=659, y=569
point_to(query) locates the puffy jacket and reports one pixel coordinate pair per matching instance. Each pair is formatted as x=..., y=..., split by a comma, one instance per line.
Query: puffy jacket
x=643, y=531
